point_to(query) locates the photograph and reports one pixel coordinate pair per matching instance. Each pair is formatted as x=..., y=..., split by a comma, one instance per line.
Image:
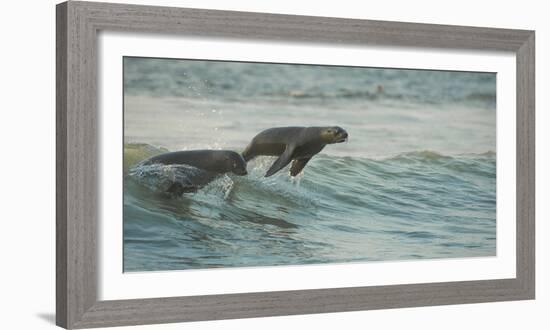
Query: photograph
x=250, y=164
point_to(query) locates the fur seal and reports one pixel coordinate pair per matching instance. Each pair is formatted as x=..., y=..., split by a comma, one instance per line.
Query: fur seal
x=296, y=144
x=211, y=162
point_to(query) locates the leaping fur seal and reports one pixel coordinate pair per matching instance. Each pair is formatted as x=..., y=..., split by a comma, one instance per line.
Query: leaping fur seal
x=211, y=162
x=296, y=144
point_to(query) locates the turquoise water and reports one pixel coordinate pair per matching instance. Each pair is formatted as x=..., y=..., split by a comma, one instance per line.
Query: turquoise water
x=416, y=180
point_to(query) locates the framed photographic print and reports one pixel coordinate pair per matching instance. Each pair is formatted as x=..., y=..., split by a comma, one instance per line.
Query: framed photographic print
x=216, y=165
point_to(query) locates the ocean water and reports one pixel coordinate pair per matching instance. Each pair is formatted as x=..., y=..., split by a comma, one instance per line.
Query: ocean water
x=416, y=179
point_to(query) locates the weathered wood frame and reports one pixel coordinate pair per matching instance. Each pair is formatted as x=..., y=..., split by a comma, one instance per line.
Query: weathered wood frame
x=78, y=24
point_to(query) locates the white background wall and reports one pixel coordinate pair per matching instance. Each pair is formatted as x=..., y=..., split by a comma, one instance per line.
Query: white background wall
x=27, y=165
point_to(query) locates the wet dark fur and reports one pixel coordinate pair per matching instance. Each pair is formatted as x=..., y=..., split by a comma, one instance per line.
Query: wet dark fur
x=296, y=144
x=212, y=162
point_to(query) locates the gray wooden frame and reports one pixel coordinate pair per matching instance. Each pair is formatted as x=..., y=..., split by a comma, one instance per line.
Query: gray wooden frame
x=78, y=24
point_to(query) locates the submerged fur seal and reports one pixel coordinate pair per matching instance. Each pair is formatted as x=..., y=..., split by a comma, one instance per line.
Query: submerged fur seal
x=296, y=144
x=211, y=162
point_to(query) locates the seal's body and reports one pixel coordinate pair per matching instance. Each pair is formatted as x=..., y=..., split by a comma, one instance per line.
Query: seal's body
x=217, y=161
x=211, y=162
x=296, y=144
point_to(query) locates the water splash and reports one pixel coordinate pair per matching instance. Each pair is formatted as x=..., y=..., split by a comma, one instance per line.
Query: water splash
x=160, y=178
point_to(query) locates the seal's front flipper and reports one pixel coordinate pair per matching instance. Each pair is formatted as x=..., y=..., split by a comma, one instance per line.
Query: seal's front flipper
x=281, y=162
x=298, y=165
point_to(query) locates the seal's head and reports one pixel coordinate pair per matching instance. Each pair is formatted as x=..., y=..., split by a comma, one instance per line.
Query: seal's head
x=234, y=162
x=334, y=134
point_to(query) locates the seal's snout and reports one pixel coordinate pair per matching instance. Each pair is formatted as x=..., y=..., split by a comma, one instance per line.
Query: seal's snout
x=342, y=135
x=240, y=172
